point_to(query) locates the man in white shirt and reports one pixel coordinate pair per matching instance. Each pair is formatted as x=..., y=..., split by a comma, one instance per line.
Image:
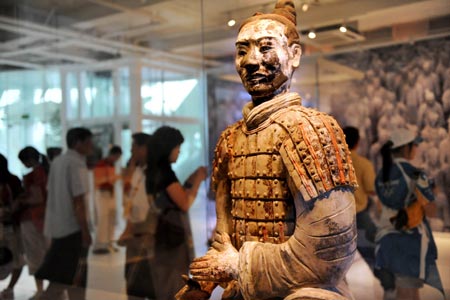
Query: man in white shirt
x=65, y=263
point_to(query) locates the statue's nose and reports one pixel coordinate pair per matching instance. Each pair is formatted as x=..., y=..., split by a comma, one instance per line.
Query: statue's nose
x=250, y=61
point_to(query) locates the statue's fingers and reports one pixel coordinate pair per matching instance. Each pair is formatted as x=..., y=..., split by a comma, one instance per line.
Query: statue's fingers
x=218, y=237
x=218, y=246
x=200, y=259
x=199, y=265
x=225, y=238
x=202, y=273
x=203, y=278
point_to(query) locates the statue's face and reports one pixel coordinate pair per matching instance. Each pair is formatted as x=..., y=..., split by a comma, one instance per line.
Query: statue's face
x=264, y=60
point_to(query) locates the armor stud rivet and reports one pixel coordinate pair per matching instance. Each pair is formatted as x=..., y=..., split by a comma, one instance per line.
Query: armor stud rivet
x=266, y=215
x=276, y=233
x=260, y=232
x=247, y=214
x=276, y=202
x=261, y=240
x=241, y=232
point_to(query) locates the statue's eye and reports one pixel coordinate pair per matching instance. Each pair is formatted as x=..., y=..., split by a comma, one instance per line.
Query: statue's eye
x=241, y=52
x=265, y=49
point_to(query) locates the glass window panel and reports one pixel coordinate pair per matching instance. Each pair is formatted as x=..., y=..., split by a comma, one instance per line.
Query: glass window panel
x=98, y=94
x=124, y=91
x=126, y=145
x=73, y=103
x=30, y=112
x=152, y=92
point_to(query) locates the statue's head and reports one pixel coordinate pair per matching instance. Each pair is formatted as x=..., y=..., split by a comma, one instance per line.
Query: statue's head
x=268, y=51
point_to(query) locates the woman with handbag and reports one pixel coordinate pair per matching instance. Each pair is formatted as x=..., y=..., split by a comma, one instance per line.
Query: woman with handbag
x=406, y=253
x=32, y=213
x=173, y=238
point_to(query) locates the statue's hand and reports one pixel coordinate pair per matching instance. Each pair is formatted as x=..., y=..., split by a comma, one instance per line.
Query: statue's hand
x=220, y=263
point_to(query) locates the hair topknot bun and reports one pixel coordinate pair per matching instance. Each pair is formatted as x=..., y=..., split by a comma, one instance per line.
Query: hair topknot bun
x=284, y=12
x=286, y=8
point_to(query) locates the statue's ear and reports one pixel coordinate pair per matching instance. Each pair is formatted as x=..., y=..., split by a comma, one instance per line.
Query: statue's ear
x=296, y=52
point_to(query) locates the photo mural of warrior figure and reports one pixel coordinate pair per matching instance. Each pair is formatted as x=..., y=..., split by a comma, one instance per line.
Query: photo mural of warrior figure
x=283, y=181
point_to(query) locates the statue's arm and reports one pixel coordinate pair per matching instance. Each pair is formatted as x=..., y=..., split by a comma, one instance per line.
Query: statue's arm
x=318, y=254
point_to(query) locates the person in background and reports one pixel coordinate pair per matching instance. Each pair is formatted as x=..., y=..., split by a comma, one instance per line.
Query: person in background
x=365, y=176
x=32, y=214
x=65, y=263
x=11, y=188
x=138, y=234
x=105, y=178
x=173, y=253
x=406, y=253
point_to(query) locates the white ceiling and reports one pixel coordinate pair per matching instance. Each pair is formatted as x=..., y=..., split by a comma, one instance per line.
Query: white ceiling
x=39, y=33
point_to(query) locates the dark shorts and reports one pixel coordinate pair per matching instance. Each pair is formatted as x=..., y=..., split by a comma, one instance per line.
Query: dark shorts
x=65, y=258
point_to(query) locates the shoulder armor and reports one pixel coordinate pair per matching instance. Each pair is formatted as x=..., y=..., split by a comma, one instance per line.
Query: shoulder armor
x=315, y=152
x=222, y=153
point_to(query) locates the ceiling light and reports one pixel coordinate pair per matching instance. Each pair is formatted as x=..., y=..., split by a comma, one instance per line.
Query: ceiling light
x=311, y=35
x=231, y=22
x=343, y=28
x=305, y=7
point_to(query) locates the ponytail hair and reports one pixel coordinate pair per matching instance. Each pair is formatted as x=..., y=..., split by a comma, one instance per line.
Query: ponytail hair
x=29, y=152
x=386, y=154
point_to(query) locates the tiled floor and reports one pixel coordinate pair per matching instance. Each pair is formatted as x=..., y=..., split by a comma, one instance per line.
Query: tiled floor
x=106, y=277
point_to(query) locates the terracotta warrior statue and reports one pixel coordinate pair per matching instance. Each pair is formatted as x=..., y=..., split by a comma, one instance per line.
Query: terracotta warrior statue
x=283, y=180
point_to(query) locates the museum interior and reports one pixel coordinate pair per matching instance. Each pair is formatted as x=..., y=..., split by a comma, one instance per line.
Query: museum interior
x=118, y=67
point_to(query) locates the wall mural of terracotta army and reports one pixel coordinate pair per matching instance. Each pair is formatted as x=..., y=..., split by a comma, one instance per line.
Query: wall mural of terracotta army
x=405, y=86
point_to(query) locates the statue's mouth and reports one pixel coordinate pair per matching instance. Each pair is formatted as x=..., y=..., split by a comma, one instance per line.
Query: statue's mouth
x=257, y=79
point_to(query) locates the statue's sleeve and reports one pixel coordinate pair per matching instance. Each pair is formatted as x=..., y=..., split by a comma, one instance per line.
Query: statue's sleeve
x=321, y=179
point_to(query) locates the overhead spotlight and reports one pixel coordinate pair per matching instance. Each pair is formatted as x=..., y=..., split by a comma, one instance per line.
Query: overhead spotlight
x=312, y=35
x=231, y=22
x=343, y=29
x=305, y=7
